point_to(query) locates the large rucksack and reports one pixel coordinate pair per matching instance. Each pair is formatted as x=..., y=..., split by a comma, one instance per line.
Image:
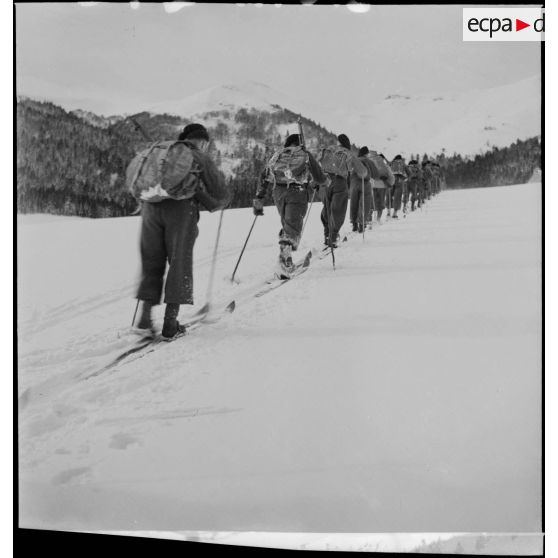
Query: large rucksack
x=414, y=171
x=289, y=165
x=380, y=165
x=398, y=167
x=382, y=169
x=335, y=160
x=165, y=170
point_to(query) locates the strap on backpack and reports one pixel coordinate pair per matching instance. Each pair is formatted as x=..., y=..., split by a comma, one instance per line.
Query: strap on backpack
x=140, y=166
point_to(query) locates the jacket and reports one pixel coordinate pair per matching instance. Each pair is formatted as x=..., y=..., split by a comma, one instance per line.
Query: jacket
x=318, y=176
x=211, y=191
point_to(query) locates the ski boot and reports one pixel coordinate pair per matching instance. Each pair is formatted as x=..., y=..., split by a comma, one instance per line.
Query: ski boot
x=172, y=329
x=144, y=327
x=285, y=259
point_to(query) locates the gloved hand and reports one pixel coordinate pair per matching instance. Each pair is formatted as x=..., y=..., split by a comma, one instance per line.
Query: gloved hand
x=258, y=206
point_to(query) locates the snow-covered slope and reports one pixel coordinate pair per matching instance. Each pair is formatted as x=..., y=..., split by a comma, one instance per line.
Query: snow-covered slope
x=232, y=96
x=399, y=393
x=466, y=123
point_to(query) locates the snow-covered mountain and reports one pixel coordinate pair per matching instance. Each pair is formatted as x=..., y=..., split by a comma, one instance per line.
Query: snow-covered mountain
x=231, y=96
x=467, y=123
x=95, y=119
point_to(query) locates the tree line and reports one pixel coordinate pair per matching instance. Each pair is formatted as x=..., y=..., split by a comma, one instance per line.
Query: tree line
x=69, y=166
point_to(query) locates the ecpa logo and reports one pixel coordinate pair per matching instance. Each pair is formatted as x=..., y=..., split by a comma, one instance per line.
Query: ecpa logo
x=503, y=24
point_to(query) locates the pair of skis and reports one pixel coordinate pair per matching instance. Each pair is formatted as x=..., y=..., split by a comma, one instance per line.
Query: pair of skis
x=148, y=343
x=281, y=279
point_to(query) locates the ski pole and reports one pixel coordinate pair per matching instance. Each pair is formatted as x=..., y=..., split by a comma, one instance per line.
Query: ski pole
x=243, y=248
x=363, y=216
x=303, y=144
x=140, y=129
x=307, y=215
x=207, y=304
x=330, y=229
x=373, y=205
x=135, y=313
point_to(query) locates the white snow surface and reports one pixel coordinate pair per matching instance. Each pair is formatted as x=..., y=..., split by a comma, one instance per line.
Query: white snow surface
x=468, y=123
x=400, y=393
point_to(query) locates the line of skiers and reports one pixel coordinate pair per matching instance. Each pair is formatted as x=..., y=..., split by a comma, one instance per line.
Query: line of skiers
x=370, y=182
x=172, y=179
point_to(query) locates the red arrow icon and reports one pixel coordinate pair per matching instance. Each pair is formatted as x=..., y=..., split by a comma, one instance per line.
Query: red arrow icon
x=519, y=25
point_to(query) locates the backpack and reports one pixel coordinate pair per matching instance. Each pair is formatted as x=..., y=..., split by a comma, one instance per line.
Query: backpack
x=289, y=165
x=165, y=170
x=380, y=165
x=335, y=160
x=398, y=167
x=414, y=171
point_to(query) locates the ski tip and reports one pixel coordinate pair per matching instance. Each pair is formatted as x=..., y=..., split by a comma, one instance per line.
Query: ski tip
x=204, y=309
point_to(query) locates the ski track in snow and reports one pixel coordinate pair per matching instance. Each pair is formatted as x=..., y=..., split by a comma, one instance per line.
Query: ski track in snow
x=428, y=318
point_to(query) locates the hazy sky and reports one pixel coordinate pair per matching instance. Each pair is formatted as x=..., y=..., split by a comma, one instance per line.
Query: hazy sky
x=112, y=58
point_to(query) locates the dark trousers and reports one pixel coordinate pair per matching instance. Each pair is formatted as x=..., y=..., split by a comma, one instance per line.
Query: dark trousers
x=168, y=233
x=427, y=189
x=379, y=202
x=291, y=203
x=412, y=188
x=335, y=198
x=397, y=193
x=356, y=204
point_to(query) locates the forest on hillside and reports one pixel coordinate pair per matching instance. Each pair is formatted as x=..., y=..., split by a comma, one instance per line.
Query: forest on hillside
x=498, y=167
x=71, y=164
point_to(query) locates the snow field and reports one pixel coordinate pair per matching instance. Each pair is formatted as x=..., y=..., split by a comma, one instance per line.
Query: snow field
x=399, y=393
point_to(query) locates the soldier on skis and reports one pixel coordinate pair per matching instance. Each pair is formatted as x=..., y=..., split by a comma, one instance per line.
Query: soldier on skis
x=382, y=180
x=359, y=206
x=399, y=170
x=414, y=181
x=427, y=178
x=288, y=173
x=337, y=162
x=169, y=227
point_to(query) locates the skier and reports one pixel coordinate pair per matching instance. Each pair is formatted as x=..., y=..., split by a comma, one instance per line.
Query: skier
x=168, y=232
x=288, y=172
x=338, y=162
x=382, y=180
x=436, y=178
x=360, y=210
x=414, y=183
x=427, y=179
x=399, y=170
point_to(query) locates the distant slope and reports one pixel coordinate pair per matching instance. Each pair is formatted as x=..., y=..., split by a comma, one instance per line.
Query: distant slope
x=467, y=123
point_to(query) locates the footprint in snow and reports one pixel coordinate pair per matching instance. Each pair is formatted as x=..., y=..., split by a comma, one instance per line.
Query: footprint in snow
x=122, y=440
x=66, y=476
